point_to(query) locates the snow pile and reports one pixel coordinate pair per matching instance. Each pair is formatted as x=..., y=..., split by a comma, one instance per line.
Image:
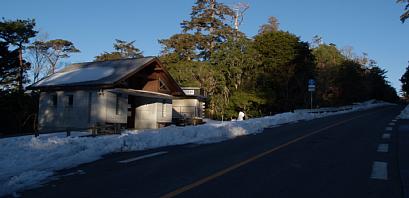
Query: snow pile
x=405, y=113
x=27, y=161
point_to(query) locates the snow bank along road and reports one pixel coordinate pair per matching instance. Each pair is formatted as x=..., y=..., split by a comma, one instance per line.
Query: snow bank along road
x=27, y=161
x=337, y=156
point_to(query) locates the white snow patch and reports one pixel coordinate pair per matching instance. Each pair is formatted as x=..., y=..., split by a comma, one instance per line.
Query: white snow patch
x=26, y=161
x=405, y=113
x=25, y=179
x=78, y=75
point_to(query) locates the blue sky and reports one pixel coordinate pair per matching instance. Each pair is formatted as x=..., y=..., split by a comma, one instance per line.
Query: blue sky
x=370, y=26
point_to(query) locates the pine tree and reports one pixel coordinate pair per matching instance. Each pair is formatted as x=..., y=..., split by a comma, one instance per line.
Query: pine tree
x=405, y=14
x=9, y=69
x=286, y=66
x=123, y=50
x=271, y=26
x=207, y=29
x=182, y=47
x=18, y=33
x=405, y=83
x=55, y=50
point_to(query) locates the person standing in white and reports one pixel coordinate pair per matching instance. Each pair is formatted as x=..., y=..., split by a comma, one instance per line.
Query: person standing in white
x=241, y=116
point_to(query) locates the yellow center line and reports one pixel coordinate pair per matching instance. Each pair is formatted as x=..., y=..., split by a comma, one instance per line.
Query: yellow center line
x=251, y=159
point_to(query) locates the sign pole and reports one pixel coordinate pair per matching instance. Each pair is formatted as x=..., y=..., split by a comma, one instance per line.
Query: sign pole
x=311, y=88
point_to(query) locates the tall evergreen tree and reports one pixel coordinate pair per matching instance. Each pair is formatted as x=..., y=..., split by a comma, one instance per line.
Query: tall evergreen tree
x=405, y=83
x=9, y=69
x=18, y=33
x=123, y=49
x=54, y=51
x=286, y=66
x=271, y=26
x=207, y=29
x=327, y=58
x=38, y=60
x=180, y=47
x=237, y=60
x=405, y=14
x=349, y=79
x=376, y=85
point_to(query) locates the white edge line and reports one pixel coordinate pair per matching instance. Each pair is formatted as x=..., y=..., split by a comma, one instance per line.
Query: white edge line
x=379, y=170
x=143, y=157
x=386, y=136
x=383, y=148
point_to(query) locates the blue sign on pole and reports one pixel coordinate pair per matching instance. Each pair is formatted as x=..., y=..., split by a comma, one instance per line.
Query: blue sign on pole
x=311, y=88
x=311, y=82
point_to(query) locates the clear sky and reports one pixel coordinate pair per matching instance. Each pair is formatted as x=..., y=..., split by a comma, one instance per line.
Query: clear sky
x=370, y=26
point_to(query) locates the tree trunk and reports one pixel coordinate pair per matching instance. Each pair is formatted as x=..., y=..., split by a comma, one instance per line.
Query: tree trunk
x=211, y=30
x=212, y=16
x=21, y=71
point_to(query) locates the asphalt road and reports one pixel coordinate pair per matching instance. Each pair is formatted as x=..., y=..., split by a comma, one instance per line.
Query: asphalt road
x=338, y=156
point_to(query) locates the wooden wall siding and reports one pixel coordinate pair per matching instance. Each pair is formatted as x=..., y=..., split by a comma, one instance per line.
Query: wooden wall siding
x=140, y=79
x=172, y=90
x=148, y=80
x=151, y=85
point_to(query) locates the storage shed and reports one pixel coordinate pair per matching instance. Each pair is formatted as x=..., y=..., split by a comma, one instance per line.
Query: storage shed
x=135, y=93
x=191, y=107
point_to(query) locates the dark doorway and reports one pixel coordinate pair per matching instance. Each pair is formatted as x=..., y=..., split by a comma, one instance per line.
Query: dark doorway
x=131, y=112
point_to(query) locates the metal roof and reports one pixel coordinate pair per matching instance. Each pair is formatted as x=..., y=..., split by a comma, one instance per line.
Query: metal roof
x=93, y=73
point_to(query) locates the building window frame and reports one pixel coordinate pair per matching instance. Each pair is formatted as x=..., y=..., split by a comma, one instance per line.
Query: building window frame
x=69, y=100
x=117, y=104
x=54, y=100
x=163, y=86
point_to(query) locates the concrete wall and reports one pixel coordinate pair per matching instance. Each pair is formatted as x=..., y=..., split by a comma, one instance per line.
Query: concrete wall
x=88, y=107
x=187, y=108
x=63, y=115
x=150, y=112
x=114, y=115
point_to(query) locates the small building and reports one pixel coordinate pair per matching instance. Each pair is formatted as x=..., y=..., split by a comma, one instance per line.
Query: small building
x=190, y=108
x=134, y=93
x=194, y=91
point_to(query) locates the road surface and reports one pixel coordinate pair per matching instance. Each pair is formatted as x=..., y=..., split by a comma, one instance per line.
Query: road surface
x=349, y=155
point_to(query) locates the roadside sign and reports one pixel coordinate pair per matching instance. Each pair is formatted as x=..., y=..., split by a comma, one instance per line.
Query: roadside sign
x=311, y=82
x=311, y=88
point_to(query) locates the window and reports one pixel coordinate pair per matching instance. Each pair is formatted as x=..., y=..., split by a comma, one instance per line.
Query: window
x=162, y=85
x=53, y=99
x=69, y=99
x=117, y=110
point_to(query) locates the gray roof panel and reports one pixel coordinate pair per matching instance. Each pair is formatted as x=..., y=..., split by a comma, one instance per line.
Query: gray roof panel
x=93, y=73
